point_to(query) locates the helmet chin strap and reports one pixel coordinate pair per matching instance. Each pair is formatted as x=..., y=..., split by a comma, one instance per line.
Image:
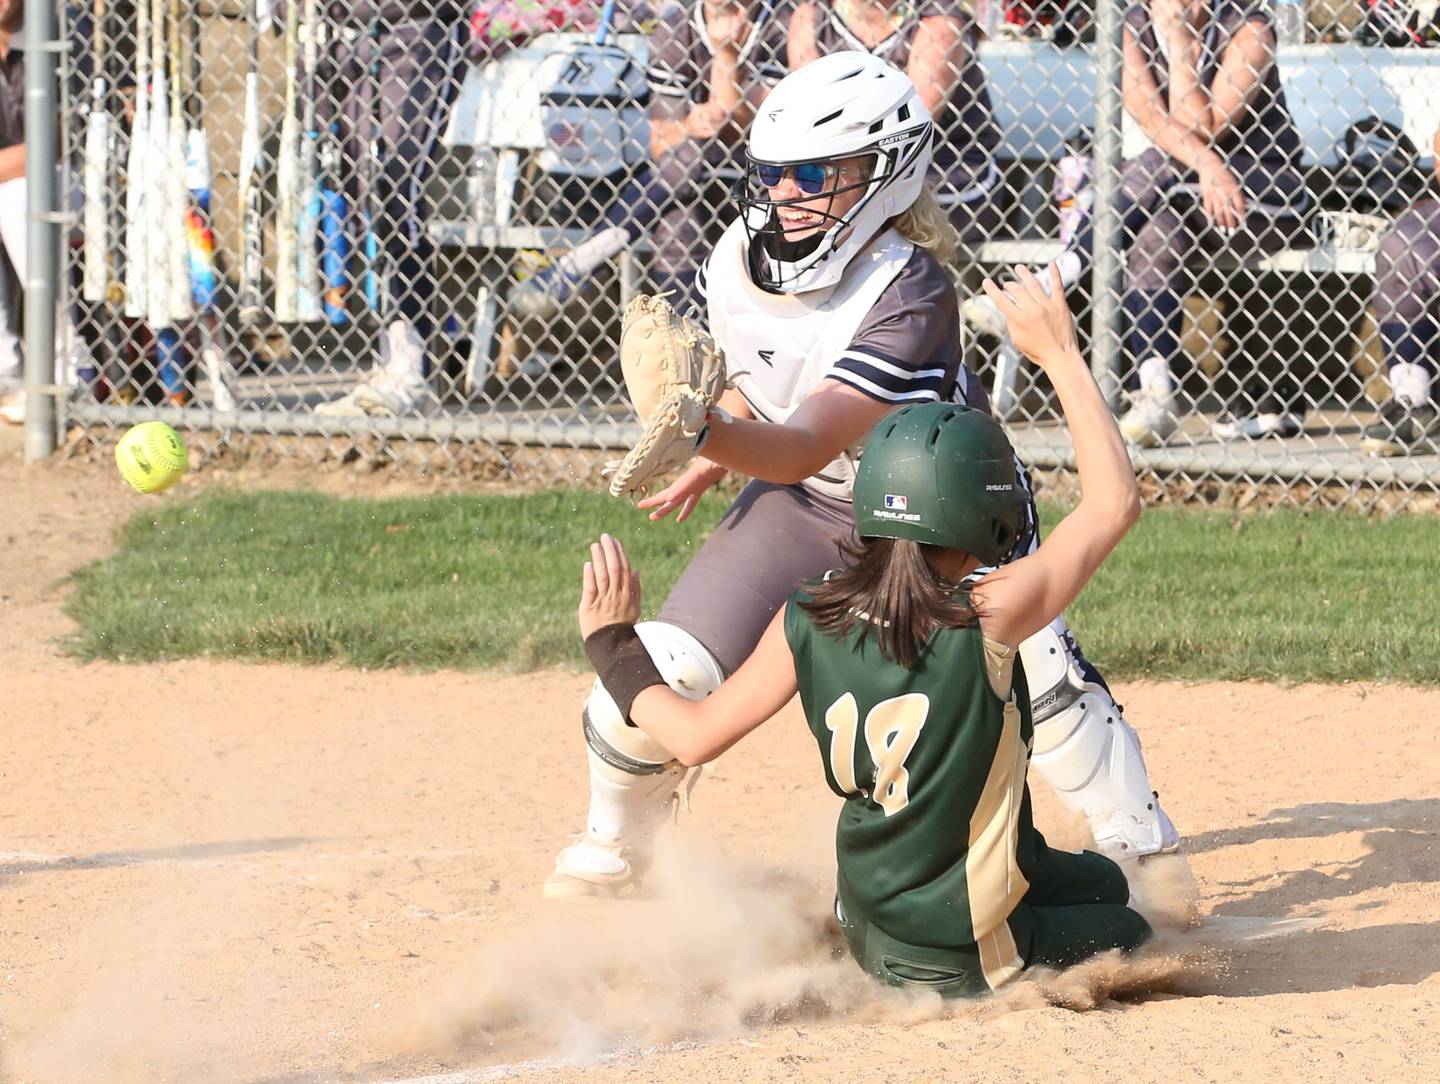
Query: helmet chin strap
x=772, y=257
x=778, y=248
x=770, y=244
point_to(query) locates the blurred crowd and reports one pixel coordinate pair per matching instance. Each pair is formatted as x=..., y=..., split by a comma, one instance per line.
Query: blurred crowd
x=1223, y=170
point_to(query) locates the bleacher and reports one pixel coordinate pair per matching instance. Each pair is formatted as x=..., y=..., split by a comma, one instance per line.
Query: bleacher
x=1041, y=95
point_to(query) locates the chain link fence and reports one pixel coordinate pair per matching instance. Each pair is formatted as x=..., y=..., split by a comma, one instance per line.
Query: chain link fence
x=320, y=226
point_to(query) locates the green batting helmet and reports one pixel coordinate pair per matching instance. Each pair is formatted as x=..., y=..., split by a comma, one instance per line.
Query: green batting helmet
x=941, y=473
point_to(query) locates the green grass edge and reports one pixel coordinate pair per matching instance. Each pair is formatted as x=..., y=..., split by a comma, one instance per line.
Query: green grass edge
x=475, y=582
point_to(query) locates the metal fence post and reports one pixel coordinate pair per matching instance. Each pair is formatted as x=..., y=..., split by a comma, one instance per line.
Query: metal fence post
x=1105, y=312
x=42, y=281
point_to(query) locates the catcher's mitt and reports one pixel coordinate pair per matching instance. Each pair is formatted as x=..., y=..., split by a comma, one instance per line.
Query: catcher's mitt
x=673, y=375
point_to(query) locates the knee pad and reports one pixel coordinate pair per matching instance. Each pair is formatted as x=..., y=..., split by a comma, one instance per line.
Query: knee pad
x=633, y=778
x=1090, y=755
x=686, y=666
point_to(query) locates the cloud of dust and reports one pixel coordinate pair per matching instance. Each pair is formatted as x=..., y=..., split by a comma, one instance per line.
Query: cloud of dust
x=715, y=947
x=1064, y=829
x=1163, y=889
x=1165, y=966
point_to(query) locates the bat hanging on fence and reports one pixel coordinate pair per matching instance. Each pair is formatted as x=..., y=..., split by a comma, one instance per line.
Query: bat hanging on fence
x=287, y=182
x=200, y=233
x=199, y=230
x=369, y=185
x=252, y=226
x=181, y=305
x=307, y=270
x=157, y=275
x=335, y=243
x=137, y=255
x=95, y=176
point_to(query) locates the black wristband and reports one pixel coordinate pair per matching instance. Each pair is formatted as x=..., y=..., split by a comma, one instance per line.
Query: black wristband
x=622, y=664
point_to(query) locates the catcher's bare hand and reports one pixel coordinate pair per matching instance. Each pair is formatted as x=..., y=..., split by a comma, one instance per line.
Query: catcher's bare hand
x=1040, y=323
x=609, y=587
x=685, y=492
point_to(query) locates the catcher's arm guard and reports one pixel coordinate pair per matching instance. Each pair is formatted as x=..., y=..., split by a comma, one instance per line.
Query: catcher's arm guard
x=674, y=375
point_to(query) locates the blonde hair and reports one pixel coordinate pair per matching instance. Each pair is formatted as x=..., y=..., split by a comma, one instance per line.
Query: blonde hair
x=926, y=224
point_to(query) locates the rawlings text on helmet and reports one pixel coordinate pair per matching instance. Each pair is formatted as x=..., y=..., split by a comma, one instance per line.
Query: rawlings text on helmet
x=941, y=474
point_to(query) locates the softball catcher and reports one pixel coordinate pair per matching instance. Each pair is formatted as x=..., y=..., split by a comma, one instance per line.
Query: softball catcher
x=829, y=301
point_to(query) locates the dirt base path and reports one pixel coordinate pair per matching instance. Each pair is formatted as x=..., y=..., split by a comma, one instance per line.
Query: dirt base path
x=214, y=872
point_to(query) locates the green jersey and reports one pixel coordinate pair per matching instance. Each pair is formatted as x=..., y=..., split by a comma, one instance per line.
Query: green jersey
x=931, y=762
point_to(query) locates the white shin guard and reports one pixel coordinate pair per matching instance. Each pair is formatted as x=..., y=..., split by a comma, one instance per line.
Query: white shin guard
x=1090, y=755
x=626, y=810
x=633, y=780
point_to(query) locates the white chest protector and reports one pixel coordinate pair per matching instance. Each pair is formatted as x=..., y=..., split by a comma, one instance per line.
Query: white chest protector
x=778, y=347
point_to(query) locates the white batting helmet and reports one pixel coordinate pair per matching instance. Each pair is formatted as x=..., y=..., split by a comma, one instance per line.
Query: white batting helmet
x=844, y=105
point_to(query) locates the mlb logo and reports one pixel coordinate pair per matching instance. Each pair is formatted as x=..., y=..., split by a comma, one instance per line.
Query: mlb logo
x=896, y=502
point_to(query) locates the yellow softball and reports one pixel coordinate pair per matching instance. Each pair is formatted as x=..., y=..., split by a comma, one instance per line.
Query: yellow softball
x=151, y=457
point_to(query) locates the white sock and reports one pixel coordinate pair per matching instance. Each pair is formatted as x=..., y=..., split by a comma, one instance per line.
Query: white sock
x=405, y=353
x=1155, y=376
x=1410, y=381
x=584, y=258
x=1069, y=264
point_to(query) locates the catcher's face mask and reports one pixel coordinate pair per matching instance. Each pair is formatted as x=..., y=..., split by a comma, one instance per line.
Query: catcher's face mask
x=807, y=215
x=805, y=199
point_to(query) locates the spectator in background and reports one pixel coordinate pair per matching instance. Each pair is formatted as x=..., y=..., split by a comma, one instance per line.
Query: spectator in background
x=1223, y=172
x=391, y=74
x=711, y=63
x=933, y=42
x=1201, y=79
x=1399, y=23
x=1407, y=309
x=71, y=350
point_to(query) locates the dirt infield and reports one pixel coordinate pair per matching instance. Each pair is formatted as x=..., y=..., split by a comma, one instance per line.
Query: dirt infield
x=214, y=872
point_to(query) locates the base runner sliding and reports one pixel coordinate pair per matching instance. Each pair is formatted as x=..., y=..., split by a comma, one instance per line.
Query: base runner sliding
x=906, y=666
x=829, y=299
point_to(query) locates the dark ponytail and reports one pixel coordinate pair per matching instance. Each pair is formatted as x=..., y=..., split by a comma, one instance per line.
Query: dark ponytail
x=890, y=590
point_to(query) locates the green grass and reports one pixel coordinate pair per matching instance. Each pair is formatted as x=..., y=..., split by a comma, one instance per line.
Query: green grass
x=1286, y=595
x=491, y=581
x=456, y=582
